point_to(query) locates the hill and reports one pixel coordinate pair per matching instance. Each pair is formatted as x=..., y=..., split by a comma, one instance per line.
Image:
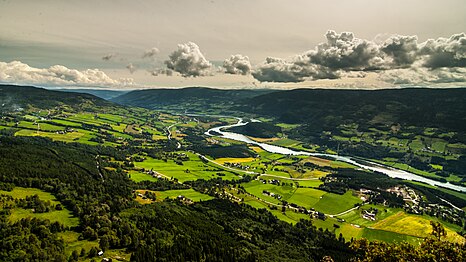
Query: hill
x=17, y=97
x=321, y=109
x=258, y=129
x=102, y=93
x=191, y=98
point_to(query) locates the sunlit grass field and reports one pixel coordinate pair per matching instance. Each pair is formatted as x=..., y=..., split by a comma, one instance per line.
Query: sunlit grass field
x=63, y=216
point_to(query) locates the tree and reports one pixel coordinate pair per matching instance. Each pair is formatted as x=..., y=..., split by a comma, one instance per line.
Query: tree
x=74, y=256
x=93, y=252
x=437, y=230
x=104, y=242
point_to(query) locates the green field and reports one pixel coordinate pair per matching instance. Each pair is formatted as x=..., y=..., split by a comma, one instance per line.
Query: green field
x=63, y=216
x=139, y=176
x=413, y=225
x=79, y=135
x=66, y=123
x=388, y=236
x=40, y=126
x=310, y=183
x=289, y=216
x=333, y=203
x=256, y=188
x=190, y=170
x=113, y=118
x=188, y=193
x=322, y=201
x=306, y=197
x=73, y=243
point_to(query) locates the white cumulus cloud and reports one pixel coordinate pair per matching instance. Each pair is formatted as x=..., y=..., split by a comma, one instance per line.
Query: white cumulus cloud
x=189, y=61
x=237, y=65
x=57, y=75
x=343, y=54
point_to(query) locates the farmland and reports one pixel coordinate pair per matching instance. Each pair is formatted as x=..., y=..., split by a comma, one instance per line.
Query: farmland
x=303, y=193
x=125, y=162
x=191, y=169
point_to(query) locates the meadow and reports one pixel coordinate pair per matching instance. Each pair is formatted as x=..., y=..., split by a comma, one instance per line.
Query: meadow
x=190, y=170
x=63, y=216
x=173, y=194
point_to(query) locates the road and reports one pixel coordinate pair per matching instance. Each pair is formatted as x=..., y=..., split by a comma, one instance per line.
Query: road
x=98, y=167
x=345, y=212
x=169, y=135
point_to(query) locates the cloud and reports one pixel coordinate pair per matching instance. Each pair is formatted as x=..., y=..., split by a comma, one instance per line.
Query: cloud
x=189, y=61
x=151, y=53
x=157, y=72
x=108, y=57
x=57, y=75
x=342, y=55
x=297, y=70
x=423, y=76
x=278, y=70
x=344, y=51
x=237, y=65
x=401, y=51
x=131, y=68
x=445, y=52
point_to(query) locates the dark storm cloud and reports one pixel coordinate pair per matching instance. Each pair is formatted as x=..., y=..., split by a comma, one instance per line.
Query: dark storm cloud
x=401, y=49
x=445, y=52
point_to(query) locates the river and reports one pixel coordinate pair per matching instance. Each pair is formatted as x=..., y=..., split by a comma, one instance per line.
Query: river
x=389, y=171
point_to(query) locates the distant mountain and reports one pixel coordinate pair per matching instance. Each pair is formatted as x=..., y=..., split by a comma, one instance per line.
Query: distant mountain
x=105, y=94
x=14, y=97
x=323, y=109
x=191, y=98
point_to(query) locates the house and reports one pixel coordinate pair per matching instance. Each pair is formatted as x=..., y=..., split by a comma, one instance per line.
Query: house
x=100, y=253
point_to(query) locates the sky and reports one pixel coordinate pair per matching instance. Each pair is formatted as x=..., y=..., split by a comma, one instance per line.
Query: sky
x=233, y=44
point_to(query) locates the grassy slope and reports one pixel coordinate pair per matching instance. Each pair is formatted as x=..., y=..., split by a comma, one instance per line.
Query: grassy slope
x=63, y=216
